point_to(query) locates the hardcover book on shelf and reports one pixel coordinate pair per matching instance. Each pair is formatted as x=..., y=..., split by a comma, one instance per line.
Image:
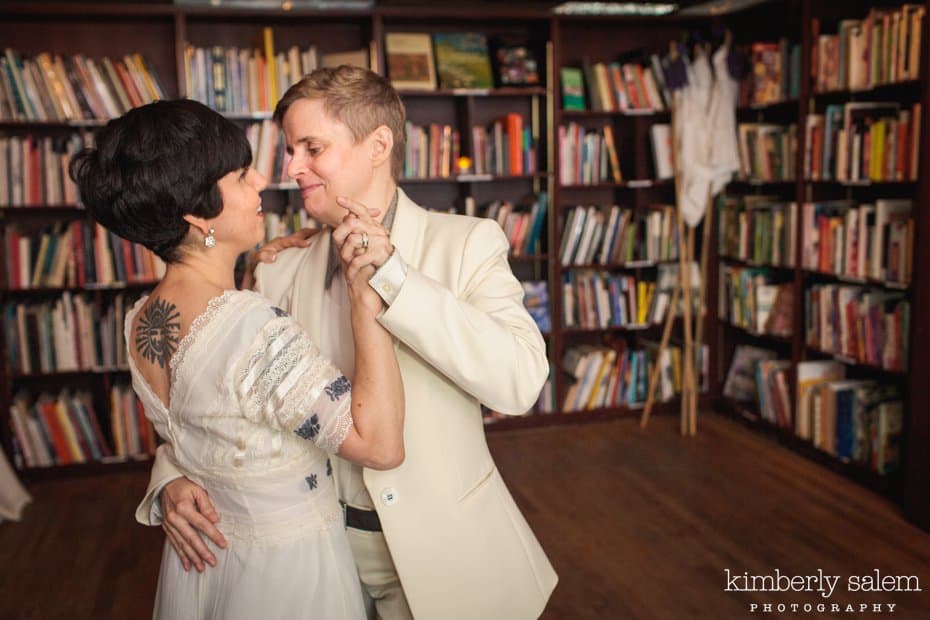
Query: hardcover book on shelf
x=355, y=58
x=462, y=60
x=572, y=88
x=740, y=384
x=515, y=65
x=410, y=60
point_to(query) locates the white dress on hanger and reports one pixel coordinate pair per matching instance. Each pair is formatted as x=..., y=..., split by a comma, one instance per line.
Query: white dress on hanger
x=253, y=411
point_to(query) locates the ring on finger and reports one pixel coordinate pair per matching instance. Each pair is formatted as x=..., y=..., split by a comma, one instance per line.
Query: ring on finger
x=364, y=245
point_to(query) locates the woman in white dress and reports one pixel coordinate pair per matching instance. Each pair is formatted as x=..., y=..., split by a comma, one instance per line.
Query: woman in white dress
x=244, y=399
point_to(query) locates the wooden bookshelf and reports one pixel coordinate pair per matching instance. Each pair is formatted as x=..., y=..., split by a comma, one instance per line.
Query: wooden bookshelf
x=160, y=31
x=909, y=484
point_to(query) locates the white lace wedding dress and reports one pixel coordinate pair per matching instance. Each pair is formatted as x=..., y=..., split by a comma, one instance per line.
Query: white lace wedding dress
x=253, y=411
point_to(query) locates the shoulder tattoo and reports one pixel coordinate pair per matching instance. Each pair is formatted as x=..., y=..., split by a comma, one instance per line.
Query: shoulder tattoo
x=157, y=331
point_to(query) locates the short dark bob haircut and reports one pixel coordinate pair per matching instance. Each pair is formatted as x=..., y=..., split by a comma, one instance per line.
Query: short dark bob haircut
x=156, y=164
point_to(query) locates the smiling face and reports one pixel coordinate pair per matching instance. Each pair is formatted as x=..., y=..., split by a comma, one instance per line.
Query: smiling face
x=325, y=159
x=241, y=223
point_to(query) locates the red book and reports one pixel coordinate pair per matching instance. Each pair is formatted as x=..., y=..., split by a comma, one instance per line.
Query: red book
x=131, y=270
x=12, y=250
x=46, y=409
x=515, y=141
x=77, y=247
x=128, y=84
x=901, y=160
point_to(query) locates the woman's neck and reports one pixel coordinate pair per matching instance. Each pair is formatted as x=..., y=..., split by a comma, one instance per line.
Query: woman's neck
x=201, y=269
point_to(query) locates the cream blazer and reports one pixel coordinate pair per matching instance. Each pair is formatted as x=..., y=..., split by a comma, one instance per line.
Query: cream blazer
x=460, y=544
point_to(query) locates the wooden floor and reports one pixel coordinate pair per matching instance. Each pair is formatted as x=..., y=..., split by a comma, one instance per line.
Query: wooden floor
x=637, y=526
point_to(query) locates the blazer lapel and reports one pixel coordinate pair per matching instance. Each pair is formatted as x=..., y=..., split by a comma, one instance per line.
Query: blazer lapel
x=408, y=229
x=307, y=306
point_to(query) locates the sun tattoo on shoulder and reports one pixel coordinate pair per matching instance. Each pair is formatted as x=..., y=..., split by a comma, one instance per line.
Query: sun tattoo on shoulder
x=157, y=331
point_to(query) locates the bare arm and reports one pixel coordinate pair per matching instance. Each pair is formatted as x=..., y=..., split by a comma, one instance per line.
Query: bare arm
x=377, y=437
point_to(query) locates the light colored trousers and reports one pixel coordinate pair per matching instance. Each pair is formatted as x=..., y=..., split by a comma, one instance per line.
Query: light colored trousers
x=381, y=590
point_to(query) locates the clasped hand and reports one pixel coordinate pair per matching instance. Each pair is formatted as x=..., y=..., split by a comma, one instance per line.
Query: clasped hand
x=362, y=241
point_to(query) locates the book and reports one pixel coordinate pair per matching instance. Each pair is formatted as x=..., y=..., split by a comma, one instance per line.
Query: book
x=355, y=58
x=515, y=65
x=410, y=60
x=660, y=134
x=740, y=383
x=462, y=60
x=572, y=88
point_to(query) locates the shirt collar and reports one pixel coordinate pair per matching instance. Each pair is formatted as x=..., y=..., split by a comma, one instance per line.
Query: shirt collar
x=334, y=262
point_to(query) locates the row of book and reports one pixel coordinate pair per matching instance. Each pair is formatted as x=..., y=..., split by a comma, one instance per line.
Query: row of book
x=615, y=236
x=505, y=148
x=76, y=254
x=865, y=241
x=431, y=152
x=64, y=429
x=863, y=141
x=289, y=221
x=775, y=73
x=867, y=325
x=599, y=300
x=857, y=421
x=588, y=156
x=70, y=333
x=52, y=87
x=767, y=151
x=752, y=299
x=34, y=169
x=614, y=87
x=243, y=81
x=525, y=230
x=607, y=377
x=757, y=229
x=268, y=146
x=882, y=48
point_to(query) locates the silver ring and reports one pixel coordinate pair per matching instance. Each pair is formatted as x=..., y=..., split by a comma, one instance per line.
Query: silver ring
x=364, y=245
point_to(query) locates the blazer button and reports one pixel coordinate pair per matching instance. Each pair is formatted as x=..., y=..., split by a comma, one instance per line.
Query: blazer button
x=388, y=496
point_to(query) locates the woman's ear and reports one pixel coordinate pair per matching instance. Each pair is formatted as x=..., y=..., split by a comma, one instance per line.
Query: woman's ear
x=199, y=223
x=382, y=144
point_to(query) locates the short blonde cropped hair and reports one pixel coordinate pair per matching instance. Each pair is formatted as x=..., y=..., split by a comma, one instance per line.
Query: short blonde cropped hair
x=357, y=97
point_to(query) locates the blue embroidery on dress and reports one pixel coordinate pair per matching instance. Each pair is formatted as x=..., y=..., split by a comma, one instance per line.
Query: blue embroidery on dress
x=329, y=468
x=310, y=428
x=337, y=388
x=278, y=311
x=311, y=481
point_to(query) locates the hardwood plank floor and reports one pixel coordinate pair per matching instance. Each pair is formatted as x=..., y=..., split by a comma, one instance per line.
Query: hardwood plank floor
x=638, y=525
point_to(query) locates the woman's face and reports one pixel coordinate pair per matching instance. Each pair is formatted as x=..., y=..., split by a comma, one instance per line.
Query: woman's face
x=241, y=223
x=325, y=159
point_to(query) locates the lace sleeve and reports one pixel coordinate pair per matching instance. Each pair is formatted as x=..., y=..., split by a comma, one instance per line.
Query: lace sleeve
x=282, y=380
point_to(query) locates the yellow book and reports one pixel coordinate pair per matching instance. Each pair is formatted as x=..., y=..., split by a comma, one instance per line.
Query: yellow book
x=876, y=149
x=59, y=97
x=74, y=447
x=612, y=154
x=40, y=260
x=116, y=425
x=676, y=368
x=268, y=37
x=641, y=307
x=146, y=77
x=601, y=380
